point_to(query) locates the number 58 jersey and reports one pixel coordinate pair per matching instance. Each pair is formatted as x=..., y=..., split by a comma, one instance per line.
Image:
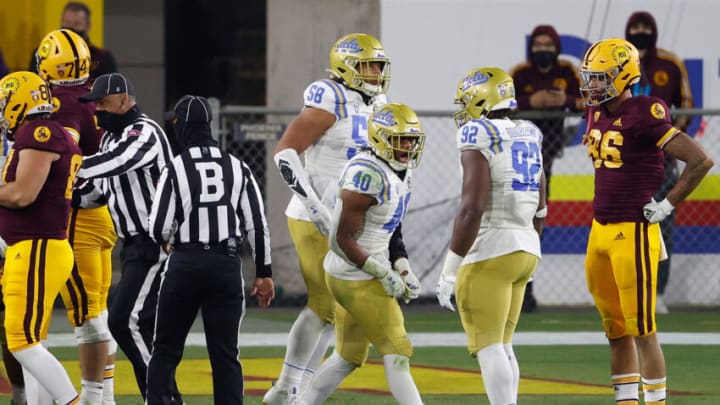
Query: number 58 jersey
x=367, y=174
x=513, y=151
x=325, y=159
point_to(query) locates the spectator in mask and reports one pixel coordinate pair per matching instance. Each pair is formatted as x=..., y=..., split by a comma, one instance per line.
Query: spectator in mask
x=76, y=17
x=663, y=75
x=544, y=82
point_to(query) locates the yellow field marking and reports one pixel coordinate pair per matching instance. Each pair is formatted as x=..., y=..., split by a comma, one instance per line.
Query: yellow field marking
x=581, y=188
x=194, y=378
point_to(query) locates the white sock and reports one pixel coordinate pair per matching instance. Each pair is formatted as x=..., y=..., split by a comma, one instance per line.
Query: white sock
x=109, y=385
x=317, y=357
x=654, y=389
x=302, y=340
x=332, y=372
x=514, y=367
x=399, y=379
x=35, y=394
x=497, y=374
x=92, y=392
x=48, y=371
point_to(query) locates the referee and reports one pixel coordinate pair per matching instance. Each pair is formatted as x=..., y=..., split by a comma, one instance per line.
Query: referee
x=206, y=202
x=133, y=151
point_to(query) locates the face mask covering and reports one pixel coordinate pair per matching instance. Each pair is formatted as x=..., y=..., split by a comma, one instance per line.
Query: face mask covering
x=641, y=40
x=544, y=59
x=111, y=122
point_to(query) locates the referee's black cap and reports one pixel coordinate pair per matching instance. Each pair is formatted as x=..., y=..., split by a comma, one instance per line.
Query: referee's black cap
x=104, y=85
x=191, y=109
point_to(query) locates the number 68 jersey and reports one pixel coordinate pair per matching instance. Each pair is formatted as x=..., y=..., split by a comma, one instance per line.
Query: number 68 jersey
x=513, y=151
x=325, y=159
x=367, y=174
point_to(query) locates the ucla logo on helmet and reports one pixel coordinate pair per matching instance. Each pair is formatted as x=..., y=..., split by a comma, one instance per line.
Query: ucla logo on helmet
x=385, y=117
x=349, y=45
x=475, y=79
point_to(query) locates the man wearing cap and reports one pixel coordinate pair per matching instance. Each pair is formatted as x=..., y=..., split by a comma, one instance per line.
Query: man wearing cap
x=133, y=151
x=221, y=205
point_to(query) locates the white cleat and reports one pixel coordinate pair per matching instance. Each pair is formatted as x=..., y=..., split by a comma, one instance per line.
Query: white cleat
x=276, y=396
x=660, y=307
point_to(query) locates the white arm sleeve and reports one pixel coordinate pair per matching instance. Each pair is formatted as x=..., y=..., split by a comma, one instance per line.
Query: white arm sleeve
x=294, y=174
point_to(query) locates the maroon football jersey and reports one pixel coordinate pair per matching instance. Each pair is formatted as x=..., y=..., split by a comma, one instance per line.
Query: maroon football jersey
x=626, y=149
x=47, y=216
x=78, y=116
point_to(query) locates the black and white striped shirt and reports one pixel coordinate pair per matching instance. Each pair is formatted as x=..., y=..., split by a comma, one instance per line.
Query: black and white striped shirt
x=207, y=196
x=131, y=163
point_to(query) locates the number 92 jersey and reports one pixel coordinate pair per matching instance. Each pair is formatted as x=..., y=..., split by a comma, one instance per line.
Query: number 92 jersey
x=513, y=151
x=325, y=159
x=367, y=174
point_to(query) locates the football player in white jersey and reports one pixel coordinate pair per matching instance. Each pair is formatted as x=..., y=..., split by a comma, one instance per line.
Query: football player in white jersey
x=371, y=200
x=495, y=244
x=331, y=128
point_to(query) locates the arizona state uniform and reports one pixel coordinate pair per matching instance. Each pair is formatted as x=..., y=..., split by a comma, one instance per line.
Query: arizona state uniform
x=39, y=258
x=90, y=232
x=623, y=248
x=507, y=247
x=324, y=161
x=366, y=314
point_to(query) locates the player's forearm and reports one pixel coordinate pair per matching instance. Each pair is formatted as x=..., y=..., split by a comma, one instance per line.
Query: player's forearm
x=294, y=174
x=689, y=179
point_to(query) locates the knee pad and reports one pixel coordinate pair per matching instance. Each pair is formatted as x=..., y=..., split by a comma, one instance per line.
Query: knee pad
x=92, y=331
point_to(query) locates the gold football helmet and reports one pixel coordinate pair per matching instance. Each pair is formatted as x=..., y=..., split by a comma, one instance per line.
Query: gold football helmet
x=22, y=94
x=609, y=67
x=352, y=58
x=483, y=90
x=396, y=136
x=63, y=58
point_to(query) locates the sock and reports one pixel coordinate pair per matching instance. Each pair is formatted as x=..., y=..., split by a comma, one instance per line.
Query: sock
x=332, y=372
x=302, y=340
x=109, y=385
x=316, y=358
x=514, y=367
x=48, y=372
x=399, y=379
x=654, y=390
x=92, y=392
x=497, y=374
x=626, y=388
x=35, y=393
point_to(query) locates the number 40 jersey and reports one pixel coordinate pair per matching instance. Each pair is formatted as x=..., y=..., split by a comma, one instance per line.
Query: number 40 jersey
x=513, y=151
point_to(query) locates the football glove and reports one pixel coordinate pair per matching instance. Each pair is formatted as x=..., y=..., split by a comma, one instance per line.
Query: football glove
x=390, y=279
x=320, y=216
x=657, y=211
x=444, y=291
x=412, y=284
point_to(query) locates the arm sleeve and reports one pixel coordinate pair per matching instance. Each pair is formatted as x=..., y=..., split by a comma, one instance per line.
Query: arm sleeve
x=397, y=246
x=252, y=212
x=162, y=223
x=139, y=148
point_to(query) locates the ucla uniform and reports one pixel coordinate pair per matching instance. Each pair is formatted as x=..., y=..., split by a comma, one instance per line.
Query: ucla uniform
x=366, y=314
x=507, y=247
x=324, y=160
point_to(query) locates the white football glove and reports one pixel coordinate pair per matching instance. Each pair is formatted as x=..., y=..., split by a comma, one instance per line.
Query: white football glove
x=444, y=291
x=320, y=216
x=412, y=284
x=391, y=280
x=657, y=211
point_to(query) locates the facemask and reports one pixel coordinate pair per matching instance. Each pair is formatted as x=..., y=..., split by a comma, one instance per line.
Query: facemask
x=544, y=59
x=115, y=123
x=641, y=40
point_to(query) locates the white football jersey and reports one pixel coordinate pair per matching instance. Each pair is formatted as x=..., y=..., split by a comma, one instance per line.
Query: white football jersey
x=514, y=151
x=367, y=174
x=325, y=159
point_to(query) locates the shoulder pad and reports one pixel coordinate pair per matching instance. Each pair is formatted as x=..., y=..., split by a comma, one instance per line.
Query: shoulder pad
x=366, y=176
x=327, y=95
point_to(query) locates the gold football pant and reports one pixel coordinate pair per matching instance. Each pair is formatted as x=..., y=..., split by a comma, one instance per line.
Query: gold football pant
x=311, y=247
x=489, y=296
x=92, y=235
x=35, y=271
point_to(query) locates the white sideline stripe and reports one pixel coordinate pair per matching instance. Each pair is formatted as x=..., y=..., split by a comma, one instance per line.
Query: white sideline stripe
x=446, y=339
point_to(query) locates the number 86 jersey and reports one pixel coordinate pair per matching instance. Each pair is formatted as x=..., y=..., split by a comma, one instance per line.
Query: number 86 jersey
x=367, y=174
x=514, y=154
